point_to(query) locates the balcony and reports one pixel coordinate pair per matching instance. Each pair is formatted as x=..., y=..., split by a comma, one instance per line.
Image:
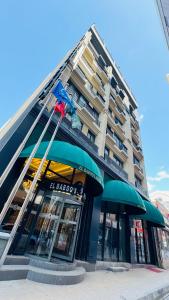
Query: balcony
x=100, y=98
x=88, y=110
x=119, y=101
x=86, y=66
x=93, y=96
x=81, y=75
x=119, y=130
x=110, y=138
x=135, y=136
x=99, y=83
x=122, y=151
x=82, y=138
x=115, y=167
x=117, y=111
x=137, y=150
x=134, y=122
x=101, y=70
x=138, y=171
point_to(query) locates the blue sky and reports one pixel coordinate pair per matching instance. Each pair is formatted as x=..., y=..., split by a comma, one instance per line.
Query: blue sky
x=35, y=35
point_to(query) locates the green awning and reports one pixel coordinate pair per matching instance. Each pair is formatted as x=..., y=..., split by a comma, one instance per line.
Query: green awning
x=73, y=156
x=153, y=215
x=118, y=192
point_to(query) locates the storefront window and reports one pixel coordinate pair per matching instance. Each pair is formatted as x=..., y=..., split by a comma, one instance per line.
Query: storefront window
x=139, y=242
x=163, y=246
x=50, y=223
x=112, y=237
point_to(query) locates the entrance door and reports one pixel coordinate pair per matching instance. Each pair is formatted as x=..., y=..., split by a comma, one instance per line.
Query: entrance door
x=65, y=236
x=55, y=232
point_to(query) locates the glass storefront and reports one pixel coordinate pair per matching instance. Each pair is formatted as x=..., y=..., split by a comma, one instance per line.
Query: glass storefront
x=139, y=243
x=112, y=237
x=50, y=224
x=162, y=246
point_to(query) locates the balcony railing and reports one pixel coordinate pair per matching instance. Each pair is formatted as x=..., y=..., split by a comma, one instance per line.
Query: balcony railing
x=138, y=166
x=81, y=136
x=100, y=98
x=89, y=109
x=139, y=187
x=123, y=147
x=108, y=131
x=81, y=74
x=112, y=164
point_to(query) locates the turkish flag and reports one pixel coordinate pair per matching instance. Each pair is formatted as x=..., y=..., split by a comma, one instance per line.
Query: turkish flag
x=60, y=108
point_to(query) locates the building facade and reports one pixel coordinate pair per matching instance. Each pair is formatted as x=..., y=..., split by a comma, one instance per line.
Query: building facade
x=163, y=8
x=90, y=201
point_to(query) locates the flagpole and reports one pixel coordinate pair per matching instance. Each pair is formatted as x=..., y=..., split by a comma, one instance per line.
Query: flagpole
x=29, y=195
x=20, y=148
x=23, y=173
x=22, y=145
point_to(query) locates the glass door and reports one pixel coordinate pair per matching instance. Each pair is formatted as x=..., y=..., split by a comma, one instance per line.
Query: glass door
x=54, y=233
x=41, y=237
x=66, y=233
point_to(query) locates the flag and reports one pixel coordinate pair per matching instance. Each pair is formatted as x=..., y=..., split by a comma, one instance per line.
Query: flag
x=76, y=121
x=61, y=95
x=60, y=107
x=65, y=104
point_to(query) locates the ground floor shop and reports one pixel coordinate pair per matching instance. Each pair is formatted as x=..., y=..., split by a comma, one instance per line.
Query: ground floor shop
x=78, y=211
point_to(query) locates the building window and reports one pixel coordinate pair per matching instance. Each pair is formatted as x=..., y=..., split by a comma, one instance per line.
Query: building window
x=118, y=141
x=81, y=125
x=82, y=101
x=96, y=115
x=117, y=121
x=138, y=181
x=106, y=151
x=118, y=161
x=134, y=144
x=136, y=161
x=121, y=94
x=109, y=128
x=119, y=109
x=91, y=136
x=113, y=83
x=110, y=111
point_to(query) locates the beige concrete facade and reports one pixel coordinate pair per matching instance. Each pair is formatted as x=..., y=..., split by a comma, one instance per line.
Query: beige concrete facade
x=109, y=117
x=115, y=124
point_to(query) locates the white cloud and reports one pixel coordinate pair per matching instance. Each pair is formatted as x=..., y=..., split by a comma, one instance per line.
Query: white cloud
x=150, y=186
x=140, y=118
x=159, y=176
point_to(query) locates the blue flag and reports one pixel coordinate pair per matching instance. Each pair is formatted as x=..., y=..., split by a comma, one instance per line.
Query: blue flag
x=61, y=95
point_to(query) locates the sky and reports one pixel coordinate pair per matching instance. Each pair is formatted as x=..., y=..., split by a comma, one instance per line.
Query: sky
x=35, y=35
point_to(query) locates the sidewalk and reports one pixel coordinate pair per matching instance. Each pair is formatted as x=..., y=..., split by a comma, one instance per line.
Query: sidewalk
x=99, y=285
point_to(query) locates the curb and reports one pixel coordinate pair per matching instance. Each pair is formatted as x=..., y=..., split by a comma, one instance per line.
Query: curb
x=157, y=294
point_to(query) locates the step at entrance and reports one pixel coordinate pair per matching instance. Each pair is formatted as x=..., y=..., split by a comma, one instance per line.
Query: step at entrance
x=113, y=266
x=58, y=273
x=117, y=269
x=56, y=277
x=57, y=266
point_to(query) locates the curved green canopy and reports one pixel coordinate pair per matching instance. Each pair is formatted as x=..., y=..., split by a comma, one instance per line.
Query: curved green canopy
x=116, y=191
x=153, y=215
x=73, y=156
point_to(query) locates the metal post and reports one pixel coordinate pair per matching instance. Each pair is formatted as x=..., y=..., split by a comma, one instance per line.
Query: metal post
x=22, y=145
x=28, y=196
x=25, y=169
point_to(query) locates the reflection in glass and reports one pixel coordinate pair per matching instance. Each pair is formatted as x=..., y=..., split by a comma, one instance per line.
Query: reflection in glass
x=111, y=239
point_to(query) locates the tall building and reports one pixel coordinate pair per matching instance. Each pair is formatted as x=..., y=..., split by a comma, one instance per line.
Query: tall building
x=163, y=7
x=90, y=202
